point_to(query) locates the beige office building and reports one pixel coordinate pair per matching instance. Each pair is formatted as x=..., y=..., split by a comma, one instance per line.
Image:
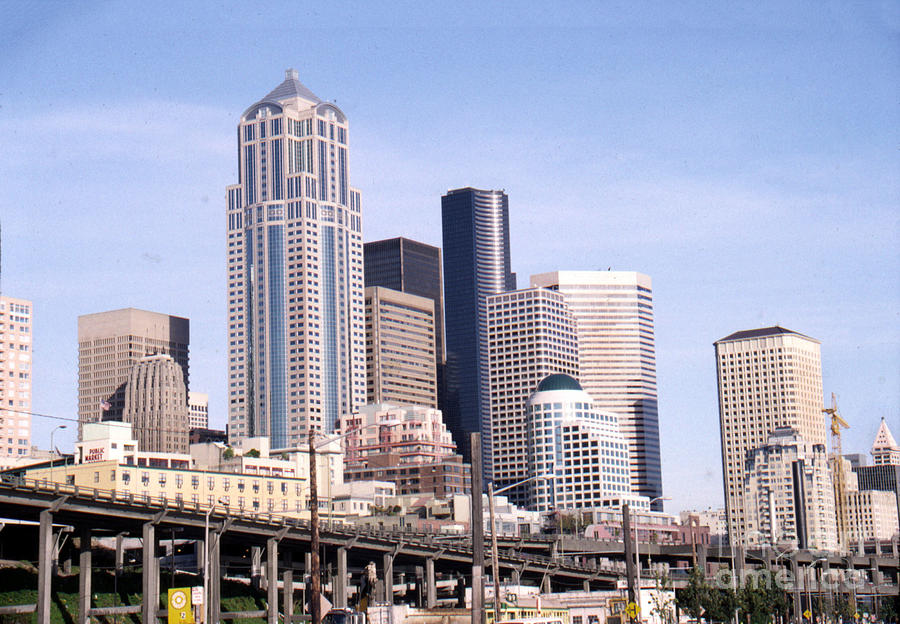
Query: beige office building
x=531, y=334
x=16, y=348
x=110, y=344
x=400, y=348
x=613, y=312
x=156, y=405
x=768, y=378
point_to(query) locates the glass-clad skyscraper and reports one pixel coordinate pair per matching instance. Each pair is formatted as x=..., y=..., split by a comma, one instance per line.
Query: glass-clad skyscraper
x=295, y=271
x=476, y=264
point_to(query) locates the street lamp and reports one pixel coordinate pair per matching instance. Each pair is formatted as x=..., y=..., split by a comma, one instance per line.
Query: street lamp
x=637, y=548
x=52, y=451
x=495, y=564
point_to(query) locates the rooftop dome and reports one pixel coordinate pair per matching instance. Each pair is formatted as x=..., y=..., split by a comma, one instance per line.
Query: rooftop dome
x=558, y=381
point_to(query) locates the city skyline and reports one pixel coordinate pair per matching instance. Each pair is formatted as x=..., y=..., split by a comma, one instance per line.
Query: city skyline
x=668, y=163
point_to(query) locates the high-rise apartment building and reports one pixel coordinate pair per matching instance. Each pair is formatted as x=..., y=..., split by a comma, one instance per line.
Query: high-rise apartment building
x=296, y=328
x=531, y=334
x=617, y=359
x=110, y=344
x=768, y=378
x=400, y=348
x=788, y=493
x=580, y=447
x=475, y=231
x=411, y=267
x=198, y=410
x=414, y=433
x=404, y=444
x=16, y=347
x=156, y=405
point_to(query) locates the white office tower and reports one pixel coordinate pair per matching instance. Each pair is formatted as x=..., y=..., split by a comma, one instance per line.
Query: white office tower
x=198, y=410
x=531, y=334
x=789, y=495
x=296, y=331
x=15, y=377
x=617, y=358
x=768, y=378
x=581, y=447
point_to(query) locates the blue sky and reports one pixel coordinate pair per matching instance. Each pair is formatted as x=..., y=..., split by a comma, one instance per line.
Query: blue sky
x=744, y=156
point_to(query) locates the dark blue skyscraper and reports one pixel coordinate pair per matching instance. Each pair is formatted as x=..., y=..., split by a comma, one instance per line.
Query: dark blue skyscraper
x=476, y=264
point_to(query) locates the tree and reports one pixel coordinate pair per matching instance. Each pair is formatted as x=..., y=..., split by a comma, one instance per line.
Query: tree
x=252, y=453
x=691, y=598
x=228, y=454
x=662, y=602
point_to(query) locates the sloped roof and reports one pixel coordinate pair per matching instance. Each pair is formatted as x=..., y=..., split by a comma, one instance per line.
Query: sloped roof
x=762, y=331
x=291, y=88
x=884, y=441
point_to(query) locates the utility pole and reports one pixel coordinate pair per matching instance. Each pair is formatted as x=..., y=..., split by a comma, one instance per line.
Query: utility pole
x=315, y=588
x=478, y=615
x=629, y=555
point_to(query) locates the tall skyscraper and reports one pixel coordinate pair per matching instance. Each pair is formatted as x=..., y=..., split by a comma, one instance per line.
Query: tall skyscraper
x=531, y=334
x=617, y=359
x=296, y=328
x=768, y=378
x=475, y=225
x=156, y=405
x=400, y=351
x=110, y=344
x=15, y=376
x=411, y=267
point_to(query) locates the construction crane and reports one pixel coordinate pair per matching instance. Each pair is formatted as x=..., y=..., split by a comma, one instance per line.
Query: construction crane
x=838, y=474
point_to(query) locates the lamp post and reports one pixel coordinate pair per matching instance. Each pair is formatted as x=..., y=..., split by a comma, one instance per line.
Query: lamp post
x=52, y=448
x=495, y=564
x=809, y=567
x=637, y=549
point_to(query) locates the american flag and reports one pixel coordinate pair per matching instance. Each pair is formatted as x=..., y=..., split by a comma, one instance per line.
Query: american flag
x=105, y=405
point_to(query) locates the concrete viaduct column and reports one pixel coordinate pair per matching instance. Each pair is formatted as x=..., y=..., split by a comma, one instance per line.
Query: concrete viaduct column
x=389, y=578
x=256, y=567
x=45, y=556
x=430, y=586
x=287, y=595
x=84, y=576
x=150, y=576
x=340, y=584
x=272, y=580
x=214, y=600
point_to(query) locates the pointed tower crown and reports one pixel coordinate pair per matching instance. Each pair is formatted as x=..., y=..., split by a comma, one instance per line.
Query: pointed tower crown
x=292, y=88
x=885, y=449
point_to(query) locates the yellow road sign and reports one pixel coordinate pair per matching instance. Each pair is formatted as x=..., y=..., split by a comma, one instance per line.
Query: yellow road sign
x=807, y=614
x=180, y=611
x=632, y=610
